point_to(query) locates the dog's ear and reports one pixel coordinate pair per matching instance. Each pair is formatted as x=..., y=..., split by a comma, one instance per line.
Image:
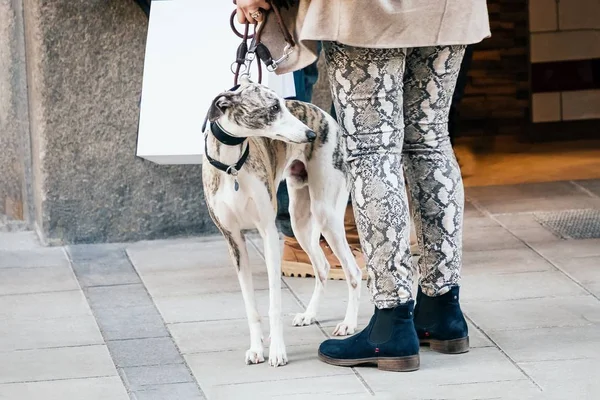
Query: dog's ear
x=220, y=104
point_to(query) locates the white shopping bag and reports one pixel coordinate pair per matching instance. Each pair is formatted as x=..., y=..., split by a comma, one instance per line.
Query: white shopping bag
x=189, y=51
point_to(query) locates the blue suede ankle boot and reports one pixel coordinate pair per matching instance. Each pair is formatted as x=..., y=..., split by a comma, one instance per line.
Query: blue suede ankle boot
x=390, y=341
x=440, y=323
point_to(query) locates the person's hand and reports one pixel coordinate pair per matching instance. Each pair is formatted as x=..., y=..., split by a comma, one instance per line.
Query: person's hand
x=250, y=10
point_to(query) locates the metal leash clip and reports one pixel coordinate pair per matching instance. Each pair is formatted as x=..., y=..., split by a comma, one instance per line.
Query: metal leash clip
x=287, y=51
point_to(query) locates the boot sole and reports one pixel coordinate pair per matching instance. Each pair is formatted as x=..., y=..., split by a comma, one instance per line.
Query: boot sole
x=300, y=270
x=454, y=346
x=394, y=364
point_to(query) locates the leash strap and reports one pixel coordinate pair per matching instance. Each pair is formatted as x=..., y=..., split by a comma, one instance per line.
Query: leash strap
x=257, y=50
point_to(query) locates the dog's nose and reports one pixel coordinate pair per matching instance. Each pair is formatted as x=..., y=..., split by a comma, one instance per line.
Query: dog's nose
x=311, y=136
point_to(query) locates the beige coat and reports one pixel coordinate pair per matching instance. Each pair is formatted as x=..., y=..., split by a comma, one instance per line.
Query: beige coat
x=377, y=23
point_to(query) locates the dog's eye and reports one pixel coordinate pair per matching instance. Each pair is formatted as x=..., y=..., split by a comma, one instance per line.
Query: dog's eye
x=275, y=108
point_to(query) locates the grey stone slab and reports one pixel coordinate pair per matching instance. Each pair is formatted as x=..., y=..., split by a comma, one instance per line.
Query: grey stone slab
x=522, y=389
x=198, y=281
x=234, y=335
x=566, y=379
x=218, y=306
x=16, y=241
x=25, y=334
x=130, y=323
x=320, y=388
x=144, y=352
x=144, y=378
x=536, y=235
x=534, y=313
x=504, y=261
x=57, y=363
x=478, y=365
x=85, y=389
x=33, y=280
x=518, y=221
x=102, y=265
x=100, y=253
x=178, y=391
x=122, y=296
x=532, y=197
x=229, y=367
x=593, y=185
x=168, y=255
x=569, y=249
x=471, y=223
x=584, y=269
x=490, y=238
x=40, y=306
x=34, y=258
x=482, y=286
x=546, y=344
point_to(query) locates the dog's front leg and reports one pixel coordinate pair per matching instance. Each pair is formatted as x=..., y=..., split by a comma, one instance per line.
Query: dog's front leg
x=277, y=353
x=239, y=255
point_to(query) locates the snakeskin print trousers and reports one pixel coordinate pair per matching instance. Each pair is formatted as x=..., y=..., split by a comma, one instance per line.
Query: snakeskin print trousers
x=393, y=106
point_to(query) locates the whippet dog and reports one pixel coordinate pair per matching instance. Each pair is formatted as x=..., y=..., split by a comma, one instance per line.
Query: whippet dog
x=254, y=140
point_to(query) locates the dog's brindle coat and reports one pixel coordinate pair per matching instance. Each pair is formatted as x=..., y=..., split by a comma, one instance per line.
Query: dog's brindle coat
x=282, y=146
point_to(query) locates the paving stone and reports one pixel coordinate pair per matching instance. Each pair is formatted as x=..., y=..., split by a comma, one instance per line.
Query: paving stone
x=39, y=306
x=15, y=241
x=121, y=296
x=483, y=286
x=229, y=367
x=569, y=249
x=566, y=379
x=130, y=323
x=178, y=391
x=593, y=185
x=144, y=352
x=85, y=389
x=144, y=378
x=504, y=262
x=324, y=387
x=200, y=253
x=218, y=306
x=102, y=265
x=234, y=335
x=544, y=344
x=24, y=334
x=531, y=197
x=478, y=365
x=34, y=258
x=522, y=389
x=490, y=238
x=98, y=253
x=57, y=363
x=33, y=280
x=198, y=281
x=534, y=313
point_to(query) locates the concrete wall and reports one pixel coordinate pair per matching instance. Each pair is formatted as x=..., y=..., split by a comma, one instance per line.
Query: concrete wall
x=14, y=139
x=84, y=70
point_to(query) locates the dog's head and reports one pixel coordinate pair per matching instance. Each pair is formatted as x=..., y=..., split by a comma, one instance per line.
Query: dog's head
x=255, y=110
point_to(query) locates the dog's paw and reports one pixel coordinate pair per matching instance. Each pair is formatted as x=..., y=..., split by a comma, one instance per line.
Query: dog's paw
x=277, y=354
x=344, y=328
x=254, y=356
x=303, y=319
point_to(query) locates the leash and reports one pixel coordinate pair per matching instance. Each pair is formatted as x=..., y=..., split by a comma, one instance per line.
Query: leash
x=246, y=55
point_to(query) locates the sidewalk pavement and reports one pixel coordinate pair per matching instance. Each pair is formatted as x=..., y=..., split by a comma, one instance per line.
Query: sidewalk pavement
x=165, y=320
